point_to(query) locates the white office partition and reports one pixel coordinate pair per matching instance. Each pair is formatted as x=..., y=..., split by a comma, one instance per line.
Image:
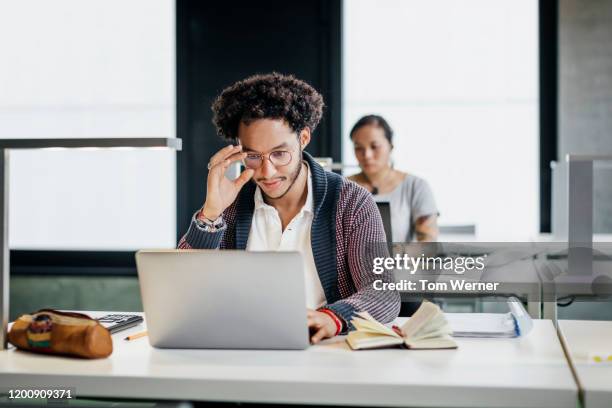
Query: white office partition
x=96, y=68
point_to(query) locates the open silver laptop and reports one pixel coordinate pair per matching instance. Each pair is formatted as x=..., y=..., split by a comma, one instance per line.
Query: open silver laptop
x=223, y=299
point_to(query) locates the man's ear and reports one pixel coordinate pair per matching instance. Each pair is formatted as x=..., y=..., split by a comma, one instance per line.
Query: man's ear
x=304, y=137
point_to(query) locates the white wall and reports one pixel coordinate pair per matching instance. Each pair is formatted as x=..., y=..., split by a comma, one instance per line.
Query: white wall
x=96, y=68
x=458, y=83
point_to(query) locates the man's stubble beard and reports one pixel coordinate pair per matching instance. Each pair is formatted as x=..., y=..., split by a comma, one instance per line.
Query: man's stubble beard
x=293, y=177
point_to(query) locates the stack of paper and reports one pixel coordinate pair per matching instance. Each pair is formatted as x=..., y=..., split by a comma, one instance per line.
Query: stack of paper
x=482, y=324
x=513, y=324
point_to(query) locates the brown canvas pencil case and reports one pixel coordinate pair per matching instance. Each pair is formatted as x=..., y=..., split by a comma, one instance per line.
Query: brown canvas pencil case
x=52, y=332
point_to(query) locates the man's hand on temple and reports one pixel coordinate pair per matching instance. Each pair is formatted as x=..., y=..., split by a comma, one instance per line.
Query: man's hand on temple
x=221, y=191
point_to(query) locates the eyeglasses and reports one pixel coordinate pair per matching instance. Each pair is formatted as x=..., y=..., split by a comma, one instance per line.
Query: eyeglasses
x=278, y=158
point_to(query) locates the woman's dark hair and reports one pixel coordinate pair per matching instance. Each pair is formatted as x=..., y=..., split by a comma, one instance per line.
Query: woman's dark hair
x=269, y=96
x=374, y=120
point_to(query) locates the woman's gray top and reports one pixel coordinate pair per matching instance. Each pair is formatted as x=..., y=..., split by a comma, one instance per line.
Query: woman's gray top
x=410, y=200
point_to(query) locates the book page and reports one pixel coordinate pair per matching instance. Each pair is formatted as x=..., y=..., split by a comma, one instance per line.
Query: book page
x=440, y=342
x=361, y=340
x=366, y=323
x=419, y=319
x=436, y=327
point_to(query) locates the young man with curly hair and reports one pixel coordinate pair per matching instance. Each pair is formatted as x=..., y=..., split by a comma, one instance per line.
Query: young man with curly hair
x=291, y=203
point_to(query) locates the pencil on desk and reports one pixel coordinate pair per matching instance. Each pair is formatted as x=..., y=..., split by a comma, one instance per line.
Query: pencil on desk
x=136, y=336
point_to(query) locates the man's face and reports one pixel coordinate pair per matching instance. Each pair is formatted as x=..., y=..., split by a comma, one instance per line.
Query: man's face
x=265, y=136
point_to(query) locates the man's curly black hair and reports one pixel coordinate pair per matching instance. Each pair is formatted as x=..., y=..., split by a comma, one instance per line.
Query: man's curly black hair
x=269, y=96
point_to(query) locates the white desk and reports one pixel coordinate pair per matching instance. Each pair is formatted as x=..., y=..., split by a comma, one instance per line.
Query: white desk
x=527, y=372
x=595, y=380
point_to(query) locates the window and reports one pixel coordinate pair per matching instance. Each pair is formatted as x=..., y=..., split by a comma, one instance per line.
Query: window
x=458, y=83
x=89, y=69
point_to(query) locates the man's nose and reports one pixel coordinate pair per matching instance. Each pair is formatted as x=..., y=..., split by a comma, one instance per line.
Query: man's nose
x=368, y=153
x=267, y=168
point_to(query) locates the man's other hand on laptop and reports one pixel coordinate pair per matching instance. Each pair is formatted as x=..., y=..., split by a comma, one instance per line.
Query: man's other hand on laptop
x=321, y=326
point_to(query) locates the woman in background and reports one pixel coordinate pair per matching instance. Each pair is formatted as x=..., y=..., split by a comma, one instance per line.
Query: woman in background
x=413, y=208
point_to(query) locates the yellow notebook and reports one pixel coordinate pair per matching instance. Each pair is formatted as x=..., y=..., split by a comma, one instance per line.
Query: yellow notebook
x=426, y=329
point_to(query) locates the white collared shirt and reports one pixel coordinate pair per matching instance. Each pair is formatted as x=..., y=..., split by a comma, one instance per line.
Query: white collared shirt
x=267, y=234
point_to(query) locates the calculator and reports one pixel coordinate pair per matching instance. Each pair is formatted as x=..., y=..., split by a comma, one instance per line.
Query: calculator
x=117, y=322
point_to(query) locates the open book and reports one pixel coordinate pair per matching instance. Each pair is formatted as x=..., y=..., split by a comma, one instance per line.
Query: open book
x=426, y=329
